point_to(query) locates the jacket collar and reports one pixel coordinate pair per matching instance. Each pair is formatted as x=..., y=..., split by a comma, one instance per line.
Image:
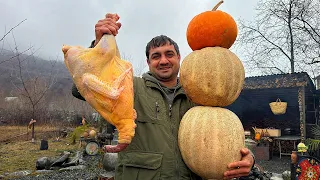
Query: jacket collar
x=152, y=82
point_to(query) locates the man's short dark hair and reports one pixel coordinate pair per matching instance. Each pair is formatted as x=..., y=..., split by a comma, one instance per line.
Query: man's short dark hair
x=161, y=41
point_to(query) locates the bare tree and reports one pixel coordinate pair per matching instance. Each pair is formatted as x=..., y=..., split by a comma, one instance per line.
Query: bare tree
x=37, y=84
x=309, y=23
x=6, y=33
x=283, y=38
x=138, y=66
x=31, y=87
x=3, y=38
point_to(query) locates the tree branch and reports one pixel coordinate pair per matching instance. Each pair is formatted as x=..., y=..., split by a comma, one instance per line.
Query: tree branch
x=12, y=29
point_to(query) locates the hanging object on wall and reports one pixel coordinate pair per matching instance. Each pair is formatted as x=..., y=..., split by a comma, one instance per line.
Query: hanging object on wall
x=278, y=107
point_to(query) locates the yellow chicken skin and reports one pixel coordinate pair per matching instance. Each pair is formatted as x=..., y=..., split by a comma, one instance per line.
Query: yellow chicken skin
x=106, y=83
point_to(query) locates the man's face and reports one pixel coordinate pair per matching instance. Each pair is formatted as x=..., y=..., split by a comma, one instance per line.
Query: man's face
x=164, y=62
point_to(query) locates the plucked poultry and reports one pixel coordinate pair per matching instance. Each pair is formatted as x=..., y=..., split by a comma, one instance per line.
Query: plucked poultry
x=106, y=83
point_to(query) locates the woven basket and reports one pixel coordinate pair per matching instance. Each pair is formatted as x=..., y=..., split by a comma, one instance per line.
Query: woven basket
x=278, y=107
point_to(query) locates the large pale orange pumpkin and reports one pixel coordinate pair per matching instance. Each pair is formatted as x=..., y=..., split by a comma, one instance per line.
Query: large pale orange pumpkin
x=212, y=76
x=209, y=139
x=212, y=28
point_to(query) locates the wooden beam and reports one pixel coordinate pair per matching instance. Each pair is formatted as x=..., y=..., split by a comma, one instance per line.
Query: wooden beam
x=302, y=112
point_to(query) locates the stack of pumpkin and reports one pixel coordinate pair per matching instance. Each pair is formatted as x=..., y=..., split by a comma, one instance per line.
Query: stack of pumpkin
x=211, y=136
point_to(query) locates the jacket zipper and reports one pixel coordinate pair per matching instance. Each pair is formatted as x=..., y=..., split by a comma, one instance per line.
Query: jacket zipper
x=175, y=149
x=172, y=127
x=157, y=109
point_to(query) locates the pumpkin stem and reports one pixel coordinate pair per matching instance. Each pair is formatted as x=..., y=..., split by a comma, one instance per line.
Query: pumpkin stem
x=216, y=6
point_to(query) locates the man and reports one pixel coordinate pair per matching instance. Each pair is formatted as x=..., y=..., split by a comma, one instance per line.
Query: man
x=160, y=103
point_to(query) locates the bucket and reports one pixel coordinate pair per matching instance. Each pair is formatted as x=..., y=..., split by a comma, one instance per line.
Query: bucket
x=44, y=145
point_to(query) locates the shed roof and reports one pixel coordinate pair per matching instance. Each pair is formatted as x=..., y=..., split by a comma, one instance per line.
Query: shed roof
x=279, y=81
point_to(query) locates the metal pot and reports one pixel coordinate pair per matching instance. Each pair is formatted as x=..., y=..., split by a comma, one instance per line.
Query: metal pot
x=288, y=131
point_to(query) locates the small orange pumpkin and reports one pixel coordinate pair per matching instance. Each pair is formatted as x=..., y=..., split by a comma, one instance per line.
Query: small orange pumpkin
x=257, y=136
x=212, y=28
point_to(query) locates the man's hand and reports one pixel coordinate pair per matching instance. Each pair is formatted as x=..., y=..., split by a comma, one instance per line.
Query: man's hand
x=242, y=167
x=108, y=25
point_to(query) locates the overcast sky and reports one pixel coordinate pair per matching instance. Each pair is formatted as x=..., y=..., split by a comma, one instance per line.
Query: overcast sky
x=52, y=23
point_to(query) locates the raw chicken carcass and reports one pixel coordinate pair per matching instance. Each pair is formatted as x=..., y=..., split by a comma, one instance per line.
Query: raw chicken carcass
x=106, y=83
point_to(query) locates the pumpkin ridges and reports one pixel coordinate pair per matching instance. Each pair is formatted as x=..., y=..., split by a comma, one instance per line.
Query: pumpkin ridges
x=240, y=85
x=224, y=68
x=192, y=136
x=238, y=67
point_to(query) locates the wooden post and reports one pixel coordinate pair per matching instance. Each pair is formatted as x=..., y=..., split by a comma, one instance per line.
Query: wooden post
x=31, y=124
x=302, y=112
x=32, y=132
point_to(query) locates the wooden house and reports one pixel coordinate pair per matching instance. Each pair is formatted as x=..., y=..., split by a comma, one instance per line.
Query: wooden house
x=297, y=89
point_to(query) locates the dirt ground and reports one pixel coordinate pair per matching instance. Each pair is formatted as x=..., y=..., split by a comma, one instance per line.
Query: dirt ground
x=17, y=152
x=275, y=164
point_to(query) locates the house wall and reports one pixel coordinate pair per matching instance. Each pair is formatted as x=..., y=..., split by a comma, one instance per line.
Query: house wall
x=252, y=107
